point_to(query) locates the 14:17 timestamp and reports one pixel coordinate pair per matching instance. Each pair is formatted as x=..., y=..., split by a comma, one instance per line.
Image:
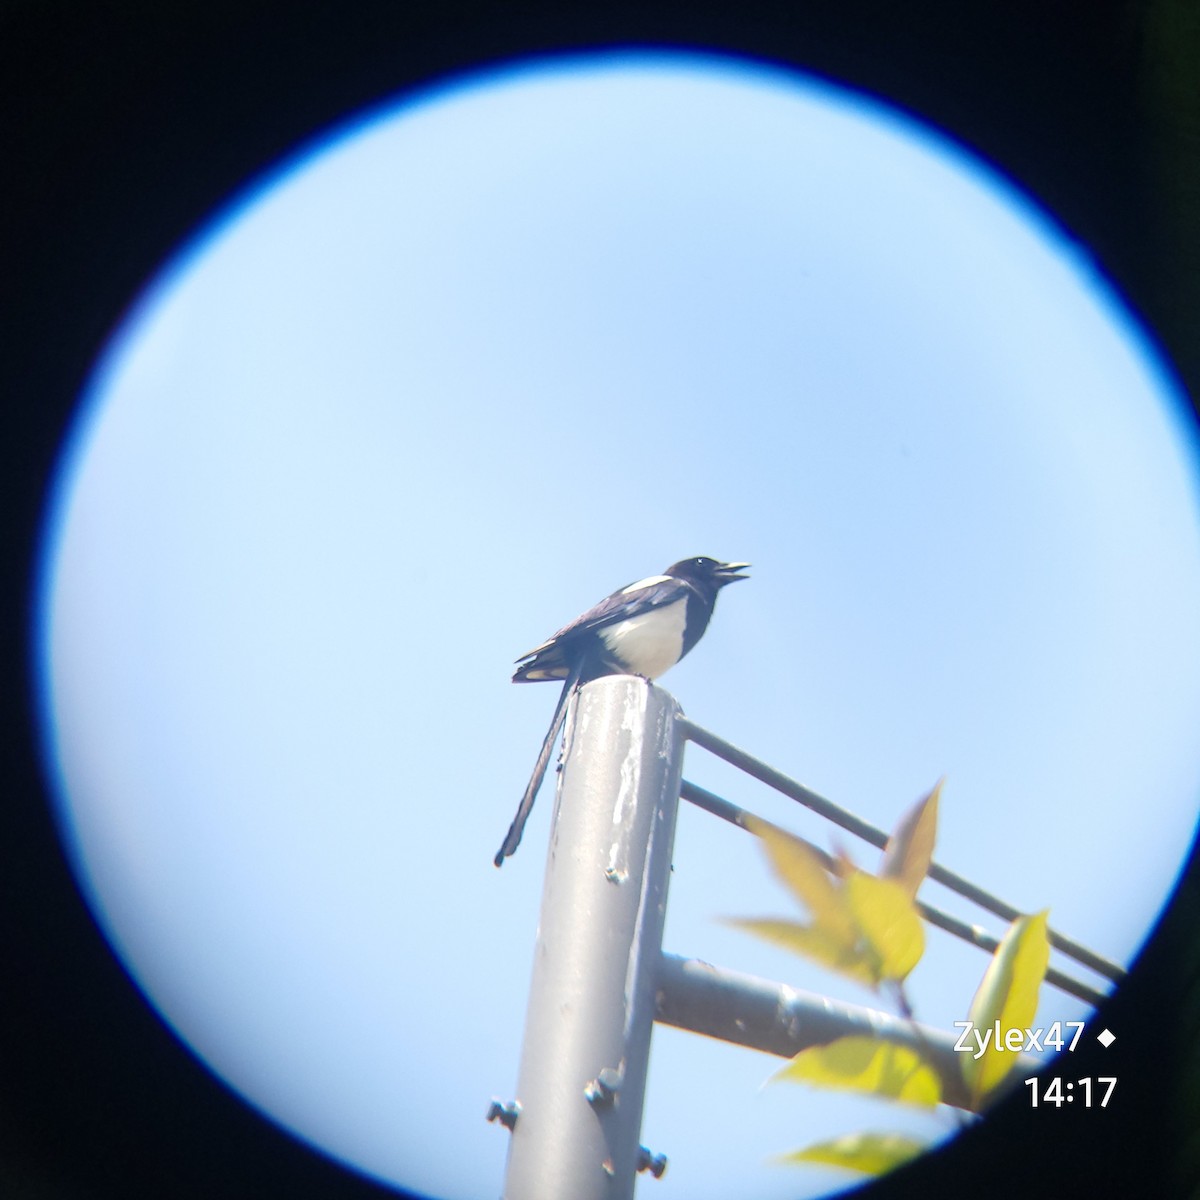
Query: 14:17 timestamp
x=1058, y=1091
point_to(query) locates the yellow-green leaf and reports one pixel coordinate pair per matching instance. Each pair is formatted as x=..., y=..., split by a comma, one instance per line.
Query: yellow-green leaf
x=821, y=945
x=870, y=1153
x=888, y=921
x=1007, y=1000
x=866, y=1064
x=909, y=851
x=800, y=870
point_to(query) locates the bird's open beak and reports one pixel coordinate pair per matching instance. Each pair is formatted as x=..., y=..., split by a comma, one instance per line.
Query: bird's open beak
x=728, y=573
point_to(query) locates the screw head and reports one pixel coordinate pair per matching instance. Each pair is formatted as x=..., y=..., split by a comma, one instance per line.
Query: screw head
x=504, y=1112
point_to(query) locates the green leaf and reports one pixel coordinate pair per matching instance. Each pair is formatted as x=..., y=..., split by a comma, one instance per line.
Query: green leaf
x=869, y=1153
x=1008, y=995
x=801, y=871
x=888, y=922
x=909, y=851
x=868, y=1065
x=811, y=941
x=864, y=927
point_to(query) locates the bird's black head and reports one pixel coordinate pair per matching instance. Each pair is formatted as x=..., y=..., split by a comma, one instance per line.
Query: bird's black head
x=707, y=571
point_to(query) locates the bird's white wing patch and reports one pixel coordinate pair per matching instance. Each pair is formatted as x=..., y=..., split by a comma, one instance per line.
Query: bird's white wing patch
x=650, y=581
x=651, y=643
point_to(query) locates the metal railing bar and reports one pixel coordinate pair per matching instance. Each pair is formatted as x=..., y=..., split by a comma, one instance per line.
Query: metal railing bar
x=727, y=811
x=877, y=837
x=774, y=1018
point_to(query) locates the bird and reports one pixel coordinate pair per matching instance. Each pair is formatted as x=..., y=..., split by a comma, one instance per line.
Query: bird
x=642, y=629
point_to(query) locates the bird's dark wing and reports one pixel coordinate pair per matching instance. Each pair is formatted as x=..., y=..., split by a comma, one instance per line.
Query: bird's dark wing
x=552, y=659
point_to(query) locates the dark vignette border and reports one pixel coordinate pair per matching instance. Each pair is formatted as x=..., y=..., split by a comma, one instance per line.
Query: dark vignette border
x=123, y=125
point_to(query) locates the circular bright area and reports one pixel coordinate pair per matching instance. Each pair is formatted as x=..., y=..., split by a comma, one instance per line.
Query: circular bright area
x=465, y=368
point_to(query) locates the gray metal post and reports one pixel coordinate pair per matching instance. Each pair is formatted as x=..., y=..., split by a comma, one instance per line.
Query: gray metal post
x=591, y=1005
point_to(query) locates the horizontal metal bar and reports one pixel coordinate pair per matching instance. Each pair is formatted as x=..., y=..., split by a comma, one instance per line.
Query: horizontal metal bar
x=877, y=837
x=727, y=811
x=781, y=1020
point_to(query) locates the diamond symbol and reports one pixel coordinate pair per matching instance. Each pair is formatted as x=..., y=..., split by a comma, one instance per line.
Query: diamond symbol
x=1105, y=1038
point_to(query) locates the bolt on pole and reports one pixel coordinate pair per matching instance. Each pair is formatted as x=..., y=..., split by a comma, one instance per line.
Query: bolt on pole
x=582, y=1077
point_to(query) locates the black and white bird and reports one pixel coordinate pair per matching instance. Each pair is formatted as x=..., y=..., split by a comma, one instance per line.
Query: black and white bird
x=643, y=629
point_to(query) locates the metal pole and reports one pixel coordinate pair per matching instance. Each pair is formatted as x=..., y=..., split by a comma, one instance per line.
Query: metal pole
x=583, y=1066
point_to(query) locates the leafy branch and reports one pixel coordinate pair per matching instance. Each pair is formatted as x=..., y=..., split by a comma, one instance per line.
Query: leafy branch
x=867, y=928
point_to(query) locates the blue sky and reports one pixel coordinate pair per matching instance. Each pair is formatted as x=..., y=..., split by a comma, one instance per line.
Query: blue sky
x=455, y=373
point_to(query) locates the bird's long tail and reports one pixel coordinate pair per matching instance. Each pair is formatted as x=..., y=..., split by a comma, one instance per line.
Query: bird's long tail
x=513, y=838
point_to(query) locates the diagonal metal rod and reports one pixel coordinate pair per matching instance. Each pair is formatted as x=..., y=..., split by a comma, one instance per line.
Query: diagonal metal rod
x=876, y=837
x=735, y=815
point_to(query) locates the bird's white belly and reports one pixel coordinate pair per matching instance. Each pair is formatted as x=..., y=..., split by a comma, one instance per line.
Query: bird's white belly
x=651, y=643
